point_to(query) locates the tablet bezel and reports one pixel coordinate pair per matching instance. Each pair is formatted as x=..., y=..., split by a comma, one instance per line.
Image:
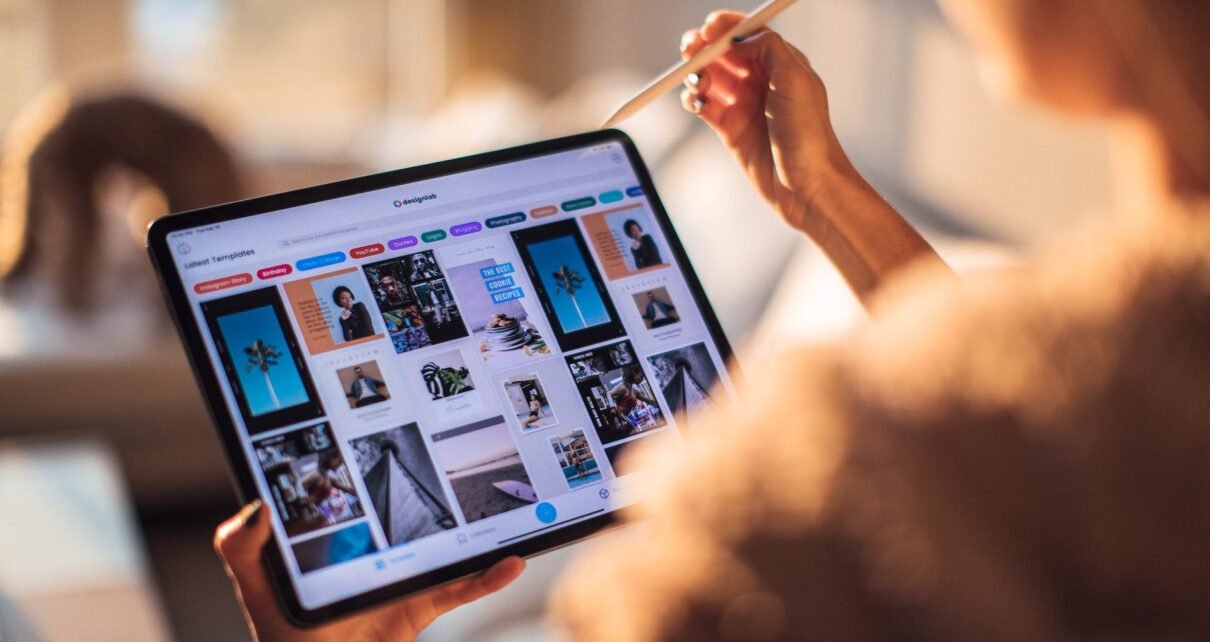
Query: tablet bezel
x=209, y=381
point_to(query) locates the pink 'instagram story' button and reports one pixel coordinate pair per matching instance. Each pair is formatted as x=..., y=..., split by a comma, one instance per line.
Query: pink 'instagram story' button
x=215, y=285
x=274, y=272
x=402, y=242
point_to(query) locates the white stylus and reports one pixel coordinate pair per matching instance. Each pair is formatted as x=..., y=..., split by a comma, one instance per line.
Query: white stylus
x=676, y=74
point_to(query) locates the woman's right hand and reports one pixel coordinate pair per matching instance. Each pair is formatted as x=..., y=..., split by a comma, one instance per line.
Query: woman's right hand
x=770, y=109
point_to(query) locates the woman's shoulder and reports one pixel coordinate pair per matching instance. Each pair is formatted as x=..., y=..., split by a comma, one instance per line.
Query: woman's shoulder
x=877, y=473
x=1067, y=328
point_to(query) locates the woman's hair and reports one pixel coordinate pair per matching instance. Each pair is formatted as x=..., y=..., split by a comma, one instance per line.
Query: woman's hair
x=336, y=294
x=631, y=222
x=1167, y=49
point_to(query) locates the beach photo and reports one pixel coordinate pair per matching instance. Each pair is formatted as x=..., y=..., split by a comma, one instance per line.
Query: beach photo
x=576, y=459
x=527, y=397
x=481, y=462
x=402, y=484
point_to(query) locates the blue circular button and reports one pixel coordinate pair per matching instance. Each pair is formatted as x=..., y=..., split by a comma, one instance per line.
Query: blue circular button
x=546, y=512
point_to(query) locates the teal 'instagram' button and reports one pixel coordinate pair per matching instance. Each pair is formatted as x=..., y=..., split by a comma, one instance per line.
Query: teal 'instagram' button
x=612, y=196
x=323, y=260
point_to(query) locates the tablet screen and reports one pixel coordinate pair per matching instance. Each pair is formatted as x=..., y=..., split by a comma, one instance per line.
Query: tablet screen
x=426, y=372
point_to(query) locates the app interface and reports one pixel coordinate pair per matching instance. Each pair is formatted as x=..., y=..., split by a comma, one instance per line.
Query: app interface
x=430, y=371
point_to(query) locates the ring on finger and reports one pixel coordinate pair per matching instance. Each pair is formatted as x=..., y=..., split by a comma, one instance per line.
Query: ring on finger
x=697, y=104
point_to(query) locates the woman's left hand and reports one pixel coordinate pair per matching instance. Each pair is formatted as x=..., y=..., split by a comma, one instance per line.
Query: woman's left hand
x=239, y=542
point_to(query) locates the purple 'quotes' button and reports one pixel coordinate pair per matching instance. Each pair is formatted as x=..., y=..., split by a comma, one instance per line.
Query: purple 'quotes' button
x=400, y=243
x=466, y=228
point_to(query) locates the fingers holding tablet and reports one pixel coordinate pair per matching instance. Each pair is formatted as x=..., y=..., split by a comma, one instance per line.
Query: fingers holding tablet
x=240, y=541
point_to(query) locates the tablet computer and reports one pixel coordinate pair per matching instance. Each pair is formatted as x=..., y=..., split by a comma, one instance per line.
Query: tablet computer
x=424, y=371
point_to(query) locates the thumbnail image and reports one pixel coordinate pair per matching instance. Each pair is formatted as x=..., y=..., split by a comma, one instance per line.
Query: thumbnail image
x=310, y=484
x=363, y=384
x=484, y=469
x=402, y=484
x=415, y=300
x=686, y=376
x=656, y=308
x=624, y=241
x=333, y=548
x=262, y=360
x=566, y=279
x=331, y=310
x=576, y=459
x=503, y=330
x=620, y=462
x=446, y=375
x=530, y=403
x=615, y=391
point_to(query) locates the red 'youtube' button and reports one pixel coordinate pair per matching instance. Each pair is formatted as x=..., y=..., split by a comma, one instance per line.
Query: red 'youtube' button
x=366, y=250
x=215, y=285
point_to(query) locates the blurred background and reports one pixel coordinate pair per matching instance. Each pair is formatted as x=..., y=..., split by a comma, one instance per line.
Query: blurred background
x=117, y=111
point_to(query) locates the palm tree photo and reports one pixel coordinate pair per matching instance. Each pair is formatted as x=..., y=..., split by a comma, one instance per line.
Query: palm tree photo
x=568, y=280
x=263, y=356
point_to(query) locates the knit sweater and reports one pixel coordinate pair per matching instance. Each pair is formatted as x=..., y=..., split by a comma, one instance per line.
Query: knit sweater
x=1018, y=456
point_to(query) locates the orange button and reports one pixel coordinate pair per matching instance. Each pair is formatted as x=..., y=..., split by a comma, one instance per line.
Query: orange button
x=549, y=210
x=274, y=272
x=223, y=283
x=367, y=250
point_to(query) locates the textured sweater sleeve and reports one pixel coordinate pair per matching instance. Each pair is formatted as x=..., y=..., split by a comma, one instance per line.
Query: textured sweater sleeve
x=969, y=468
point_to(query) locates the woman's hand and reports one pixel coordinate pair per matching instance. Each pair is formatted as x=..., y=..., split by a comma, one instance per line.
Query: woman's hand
x=770, y=109
x=239, y=541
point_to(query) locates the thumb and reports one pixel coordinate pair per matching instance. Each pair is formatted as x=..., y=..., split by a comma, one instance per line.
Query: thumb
x=239, y=541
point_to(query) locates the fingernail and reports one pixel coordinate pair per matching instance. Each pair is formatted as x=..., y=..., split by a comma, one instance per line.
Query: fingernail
x=693, y=80
x=686, y=39
x=697, y=105
x=739, y=38
x=253, y=513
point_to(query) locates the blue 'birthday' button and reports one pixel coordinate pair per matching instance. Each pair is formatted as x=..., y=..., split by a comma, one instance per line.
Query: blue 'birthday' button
x=546, y=512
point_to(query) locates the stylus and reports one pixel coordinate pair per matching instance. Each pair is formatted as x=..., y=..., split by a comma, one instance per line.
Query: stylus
x=675, y=74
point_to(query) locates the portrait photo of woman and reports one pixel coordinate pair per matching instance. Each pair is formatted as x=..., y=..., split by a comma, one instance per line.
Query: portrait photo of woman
x=355, y=320
x=642, y=246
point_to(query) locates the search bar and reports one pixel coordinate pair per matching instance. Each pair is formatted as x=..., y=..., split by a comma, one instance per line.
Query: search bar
x=499, y=200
